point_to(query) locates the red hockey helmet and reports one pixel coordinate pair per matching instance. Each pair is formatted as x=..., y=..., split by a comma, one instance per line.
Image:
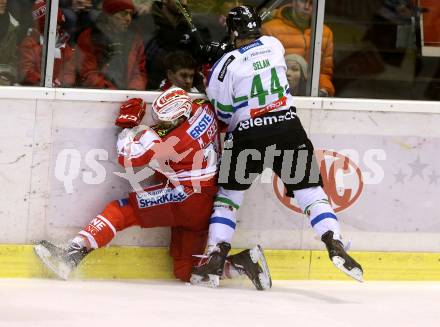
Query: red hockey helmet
x=171, y=105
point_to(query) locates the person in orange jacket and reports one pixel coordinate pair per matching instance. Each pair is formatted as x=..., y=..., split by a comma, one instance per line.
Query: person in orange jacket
x=291, y=25
x=31, y=51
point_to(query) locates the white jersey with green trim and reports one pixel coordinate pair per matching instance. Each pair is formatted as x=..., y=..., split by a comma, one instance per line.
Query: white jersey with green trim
x=250, y=81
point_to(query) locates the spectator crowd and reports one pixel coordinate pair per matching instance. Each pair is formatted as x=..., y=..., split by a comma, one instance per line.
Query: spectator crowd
x=143, y=44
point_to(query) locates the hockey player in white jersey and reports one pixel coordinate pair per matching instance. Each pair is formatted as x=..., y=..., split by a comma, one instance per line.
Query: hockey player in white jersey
x=249, y=89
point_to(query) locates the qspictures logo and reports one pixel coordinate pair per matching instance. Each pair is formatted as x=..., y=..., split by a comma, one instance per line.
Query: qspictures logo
x=342, y=178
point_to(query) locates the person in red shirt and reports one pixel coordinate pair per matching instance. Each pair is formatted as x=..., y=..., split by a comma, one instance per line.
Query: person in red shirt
x=182, y=148
x=31, y=49
x=110, y=53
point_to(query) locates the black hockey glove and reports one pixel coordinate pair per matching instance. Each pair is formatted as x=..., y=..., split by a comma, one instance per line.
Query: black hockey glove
x=213, y=51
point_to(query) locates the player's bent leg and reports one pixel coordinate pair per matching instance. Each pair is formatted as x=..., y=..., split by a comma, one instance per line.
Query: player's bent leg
x=184, y=246
x=221, y=229
x=314, y=203
x=99, y=232
x=116, y=216
x=252, y=263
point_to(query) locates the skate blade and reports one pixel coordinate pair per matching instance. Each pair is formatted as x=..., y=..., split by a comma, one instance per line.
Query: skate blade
x=355, y=273
x=257, y=256
x=60, y=269
x=212, y=281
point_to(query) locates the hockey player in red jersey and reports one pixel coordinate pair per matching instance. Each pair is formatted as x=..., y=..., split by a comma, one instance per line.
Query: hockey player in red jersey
x=182, y=148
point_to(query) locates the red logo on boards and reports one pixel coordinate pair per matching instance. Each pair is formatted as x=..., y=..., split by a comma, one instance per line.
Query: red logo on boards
x=342, y=181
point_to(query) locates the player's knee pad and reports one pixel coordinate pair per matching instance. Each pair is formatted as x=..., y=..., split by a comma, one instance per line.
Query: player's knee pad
x=314, y=203
x=234, y=198
x=310, y=198
x=102, y=229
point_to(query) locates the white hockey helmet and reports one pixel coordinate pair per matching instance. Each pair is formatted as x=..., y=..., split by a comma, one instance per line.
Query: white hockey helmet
x=171, y=105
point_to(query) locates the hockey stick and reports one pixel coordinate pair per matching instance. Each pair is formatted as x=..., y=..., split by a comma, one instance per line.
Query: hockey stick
x=269, y=9
x=186, y=15
x=189, y=21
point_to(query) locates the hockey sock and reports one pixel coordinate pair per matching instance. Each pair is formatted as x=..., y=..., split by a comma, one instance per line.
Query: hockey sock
x=314, y=203
x=80, y=241
x=223, y=219
x=99, y=232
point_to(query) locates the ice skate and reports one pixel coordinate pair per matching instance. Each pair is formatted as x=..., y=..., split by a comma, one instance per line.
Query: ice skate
x=210, y=268
x=340, y=258
x=60, y=261
x=253, y=263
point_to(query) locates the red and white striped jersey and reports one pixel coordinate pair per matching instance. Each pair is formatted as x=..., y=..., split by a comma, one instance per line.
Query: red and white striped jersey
x=187, y=155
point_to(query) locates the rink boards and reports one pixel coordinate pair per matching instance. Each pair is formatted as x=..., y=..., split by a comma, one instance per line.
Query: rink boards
x=19, y=261
x=381, y=168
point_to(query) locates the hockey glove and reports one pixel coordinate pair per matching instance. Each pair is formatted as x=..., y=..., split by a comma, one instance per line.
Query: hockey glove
x=131, y=113
x=212, y=51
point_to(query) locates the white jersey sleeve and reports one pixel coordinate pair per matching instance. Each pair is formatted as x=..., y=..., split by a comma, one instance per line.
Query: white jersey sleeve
x=219, y=88
x=134, y=145
x=249, y=80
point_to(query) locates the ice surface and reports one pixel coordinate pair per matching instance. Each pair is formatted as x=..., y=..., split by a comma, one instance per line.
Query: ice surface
x=34, y=303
